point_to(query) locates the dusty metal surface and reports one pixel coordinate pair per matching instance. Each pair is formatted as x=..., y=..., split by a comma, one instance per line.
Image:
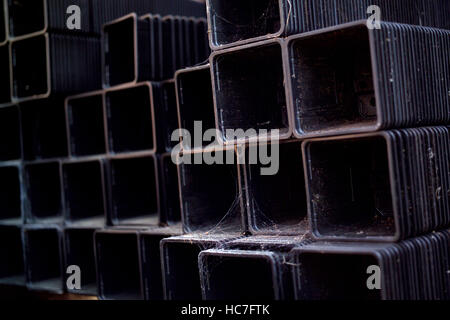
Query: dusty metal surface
x=235, y=23
x=349, y=79
x=382, y=187
x=317, y=265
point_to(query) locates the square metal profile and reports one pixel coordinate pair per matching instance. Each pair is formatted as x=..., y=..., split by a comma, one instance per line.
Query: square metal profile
x=43, y=202
x=258, y=266
x=118, y=266
x=45, y=73
x=338, y=271
x=272, y=176
x=255, y=73
x=44, y=134
x=85, y=121
x=12, y=268
x=195, y=103
x=210, y=192
x=11, y=193
x=120, y=50
x=236, y=22
x=351, y=194
x=26, y=17
x=150, y=257
x=43, y=249
x=30, y=73
x=179, y=257
x=240, y=275
x=412, y=269
x=130, y=118
x=382, y=187
x=85, y=195
x=79, y=252
x=332, y=83
x=133, y=190
x=351, y=79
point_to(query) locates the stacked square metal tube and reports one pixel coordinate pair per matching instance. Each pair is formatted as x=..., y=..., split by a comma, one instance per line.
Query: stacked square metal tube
x=349, y=199
x=363, y=117
x=74, y=159
x=123, y=133
x=42, y=61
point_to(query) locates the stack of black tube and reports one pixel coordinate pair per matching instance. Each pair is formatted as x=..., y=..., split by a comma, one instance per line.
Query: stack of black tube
x=350, y=202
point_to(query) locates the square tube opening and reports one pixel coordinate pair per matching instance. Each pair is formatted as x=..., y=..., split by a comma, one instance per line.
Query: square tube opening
x=10, y=141
x=79, y=245
x=26, y=16
x=256, y=78
x=43, y=182
x=333, y=87
x=236, y=20
x=130, y=119
x=326, y=276
x=134, y=191
x=349, y=187
x=44, y=131
x=182, y=278
x=10, y=195
x=195, y=100
x=30, y=75
x=11, y=265
x=118, y=266
x=170, y=186
x=210, y=195
x=152, y=277
x=84, y=191
x=43, y=257
x=277, y=202
x=86, y=125
x=5, y=72
x=120, y=52
x=237, y=277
